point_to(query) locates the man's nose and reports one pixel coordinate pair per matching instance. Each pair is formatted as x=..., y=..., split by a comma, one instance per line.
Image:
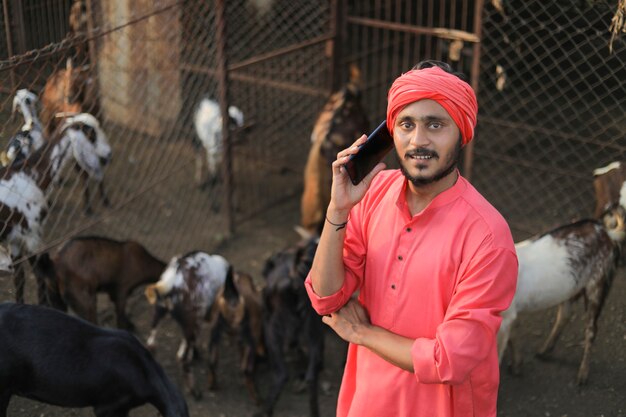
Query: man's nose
x=419, y=137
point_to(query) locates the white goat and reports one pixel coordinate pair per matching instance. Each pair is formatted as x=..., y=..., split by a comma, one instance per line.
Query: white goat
x=208, y=124
x=30, y=137
x=558, y=267
x=24, y=187
x=187, y=289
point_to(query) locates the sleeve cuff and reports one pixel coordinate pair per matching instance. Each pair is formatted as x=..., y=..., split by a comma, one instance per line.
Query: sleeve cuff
x=325, y=305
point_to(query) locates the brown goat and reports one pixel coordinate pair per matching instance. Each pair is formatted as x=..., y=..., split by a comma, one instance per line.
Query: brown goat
x=85, y=266
x=67, y=91
x=238, y=308
x=340, y=123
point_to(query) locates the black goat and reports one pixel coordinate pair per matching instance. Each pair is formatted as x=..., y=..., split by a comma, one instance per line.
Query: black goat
x=290, y=321
x=49, y=356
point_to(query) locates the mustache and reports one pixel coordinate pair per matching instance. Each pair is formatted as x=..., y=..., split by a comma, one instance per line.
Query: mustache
x=421, y=152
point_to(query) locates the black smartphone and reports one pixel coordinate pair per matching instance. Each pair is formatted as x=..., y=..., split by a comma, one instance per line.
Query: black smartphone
x=371, y=152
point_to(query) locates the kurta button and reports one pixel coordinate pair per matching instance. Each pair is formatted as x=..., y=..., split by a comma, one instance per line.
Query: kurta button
x=393, y=286
x=400, y=257
x=408, y=229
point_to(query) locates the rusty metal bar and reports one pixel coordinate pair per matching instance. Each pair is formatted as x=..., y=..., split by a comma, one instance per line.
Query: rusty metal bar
x=222, y=92
x=283, y=85
x=18, y=21
x=468, y=156
x=338, y=33
x=550, y=132
x=91, y=46
x=279, y=52
x=7, y=29
x=443, y=33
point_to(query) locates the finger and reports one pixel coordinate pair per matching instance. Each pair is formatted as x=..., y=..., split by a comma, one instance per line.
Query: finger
x=327, y=319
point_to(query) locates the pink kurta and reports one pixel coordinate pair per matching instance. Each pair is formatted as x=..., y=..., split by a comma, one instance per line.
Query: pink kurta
x=441, y=277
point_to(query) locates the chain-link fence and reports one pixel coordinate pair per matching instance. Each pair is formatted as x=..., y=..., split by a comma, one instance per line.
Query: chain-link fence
x=151, y=63
x=550, y=95
x=552, y=108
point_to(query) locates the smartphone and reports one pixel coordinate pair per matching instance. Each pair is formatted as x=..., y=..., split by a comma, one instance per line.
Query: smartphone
x=371, y=152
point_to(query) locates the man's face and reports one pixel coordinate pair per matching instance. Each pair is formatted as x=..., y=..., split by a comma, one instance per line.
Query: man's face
x=427, y=141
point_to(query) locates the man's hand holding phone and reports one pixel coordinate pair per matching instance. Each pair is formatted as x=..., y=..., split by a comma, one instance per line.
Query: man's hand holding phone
x=355, y=167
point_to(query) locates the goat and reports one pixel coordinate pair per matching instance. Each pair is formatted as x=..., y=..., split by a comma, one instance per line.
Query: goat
x=238, y=307
x=49, y=356
x=608, y=183
x=87, y=265
x=30, y=137
x=340, y=123
x=187, y=290
x=66, y=92
x=290, y=320
x=23, y=187
x=577, y=259
x=208, y=125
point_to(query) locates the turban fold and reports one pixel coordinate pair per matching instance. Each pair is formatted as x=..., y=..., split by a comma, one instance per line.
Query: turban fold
x=452, y=93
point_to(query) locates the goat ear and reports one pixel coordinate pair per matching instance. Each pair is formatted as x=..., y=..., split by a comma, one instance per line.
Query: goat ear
x=269, y=265
x=151, y=293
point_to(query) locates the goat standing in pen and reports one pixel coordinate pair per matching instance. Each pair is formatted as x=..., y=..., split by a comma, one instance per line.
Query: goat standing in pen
x=556, y=268
x=87, y=265
x=187, y=290
x=207, y=121
x=340, y=123
x=30, y=137
x=68, y=92
x=24, y=187
x=49, y=356
x=238, y=307
x=289, y=320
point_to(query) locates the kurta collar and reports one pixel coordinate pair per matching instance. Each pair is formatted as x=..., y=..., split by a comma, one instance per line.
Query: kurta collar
x=443, y=198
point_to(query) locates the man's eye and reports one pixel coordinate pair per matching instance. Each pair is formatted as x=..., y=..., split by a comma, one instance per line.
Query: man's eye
x=436, y=125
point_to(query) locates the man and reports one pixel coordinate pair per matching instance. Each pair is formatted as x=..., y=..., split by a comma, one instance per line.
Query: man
x=433, y=263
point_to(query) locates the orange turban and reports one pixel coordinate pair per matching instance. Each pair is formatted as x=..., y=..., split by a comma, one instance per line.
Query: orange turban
x=452, y=93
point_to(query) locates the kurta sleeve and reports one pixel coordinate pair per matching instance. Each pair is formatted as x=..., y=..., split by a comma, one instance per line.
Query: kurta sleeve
x=354, y=265
x=467, y=334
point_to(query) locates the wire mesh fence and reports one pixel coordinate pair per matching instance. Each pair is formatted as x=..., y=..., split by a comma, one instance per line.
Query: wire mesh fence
x=550, y=95
x=552, y=108
x=146, y=67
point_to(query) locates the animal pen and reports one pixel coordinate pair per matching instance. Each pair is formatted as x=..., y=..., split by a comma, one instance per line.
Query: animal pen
x=550, y=92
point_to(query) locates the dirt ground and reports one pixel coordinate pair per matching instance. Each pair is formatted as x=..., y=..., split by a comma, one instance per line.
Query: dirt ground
x=546, y=388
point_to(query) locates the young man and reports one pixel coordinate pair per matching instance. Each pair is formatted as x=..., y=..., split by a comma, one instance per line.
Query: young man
x=433, y=263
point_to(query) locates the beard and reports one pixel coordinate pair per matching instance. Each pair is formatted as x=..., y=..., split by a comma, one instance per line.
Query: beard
x=420, y=181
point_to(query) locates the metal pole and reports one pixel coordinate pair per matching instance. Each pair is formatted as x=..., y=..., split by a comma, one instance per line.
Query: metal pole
x=93, y=58
x=222, y=77
x=335, y=45
x=468, y=160
x=7, y=29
